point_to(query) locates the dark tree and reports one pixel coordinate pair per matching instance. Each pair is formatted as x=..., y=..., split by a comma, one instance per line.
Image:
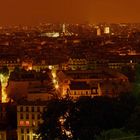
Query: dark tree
x=4, y=70
x=53, y=120
x=129, y=72
x=86, y=117
x=114, y=134
x=17, y=69
x=136, y=85
x=133, y=123
x=89, y=116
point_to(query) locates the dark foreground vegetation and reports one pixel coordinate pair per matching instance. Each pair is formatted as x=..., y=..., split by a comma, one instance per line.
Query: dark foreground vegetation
x=98, y=118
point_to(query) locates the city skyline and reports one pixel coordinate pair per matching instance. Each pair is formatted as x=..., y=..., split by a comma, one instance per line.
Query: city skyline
x=29, y=12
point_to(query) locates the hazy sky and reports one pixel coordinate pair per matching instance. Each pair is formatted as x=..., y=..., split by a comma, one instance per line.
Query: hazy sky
x=74, y=11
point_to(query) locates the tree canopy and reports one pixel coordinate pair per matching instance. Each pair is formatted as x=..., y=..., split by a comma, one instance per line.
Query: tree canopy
x=85, y=118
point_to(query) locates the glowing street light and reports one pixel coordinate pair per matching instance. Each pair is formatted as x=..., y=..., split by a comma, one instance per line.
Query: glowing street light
x=56, y=86
x=54, y=81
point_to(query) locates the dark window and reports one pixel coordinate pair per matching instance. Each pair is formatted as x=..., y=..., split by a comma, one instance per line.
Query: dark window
x=27, y=131
x=22, y=137
x=27, y=116
x=39, y=123
x=32, y=109
x=38, y=116
x=22, y=130
x=45, y=109
x=21, y=116
x=33, y=116
x=21, y=109
x=38, y=109
x=28, y=137
x=27, y=109
x=35, y=138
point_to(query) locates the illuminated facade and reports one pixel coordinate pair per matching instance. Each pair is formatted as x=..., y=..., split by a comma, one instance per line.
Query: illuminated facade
x=28, y=119
x=51, y=34
x=31, y=89
x=87, y=83
x=81, y=89
x=77, y=63
x=4, y=82
x=10, y=62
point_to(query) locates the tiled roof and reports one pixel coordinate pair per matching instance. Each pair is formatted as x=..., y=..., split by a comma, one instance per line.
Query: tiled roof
x=77, y=85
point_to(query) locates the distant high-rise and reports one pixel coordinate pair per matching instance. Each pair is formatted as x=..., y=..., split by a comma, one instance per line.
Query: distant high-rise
x=98, y=31
x=107, y=30
x=64, y=28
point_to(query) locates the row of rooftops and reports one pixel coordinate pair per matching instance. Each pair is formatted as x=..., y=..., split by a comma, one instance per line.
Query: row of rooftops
x=58, y=57
x=93, y=74
x=79, y=85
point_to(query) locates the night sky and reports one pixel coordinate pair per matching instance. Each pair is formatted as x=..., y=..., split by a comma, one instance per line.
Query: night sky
x=32, y=12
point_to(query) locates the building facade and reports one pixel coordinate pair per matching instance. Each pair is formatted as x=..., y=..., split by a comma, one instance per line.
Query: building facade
x=28, y=120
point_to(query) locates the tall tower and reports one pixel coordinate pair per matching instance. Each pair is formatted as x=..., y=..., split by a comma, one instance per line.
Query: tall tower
x=98, y=31
x=107, y=30
x=63, y=28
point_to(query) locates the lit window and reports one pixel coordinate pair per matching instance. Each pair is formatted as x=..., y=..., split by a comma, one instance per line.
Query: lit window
x=33, y=123
x=21, y=123
x=27, y=123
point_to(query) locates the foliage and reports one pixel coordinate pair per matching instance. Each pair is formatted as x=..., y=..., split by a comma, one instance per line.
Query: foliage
x=136, y=84
x=4, y=70
x=129, y=72
x=91, y=116
x=133, y=123
x=85, y=118
x=113, y=134
x=51, y=127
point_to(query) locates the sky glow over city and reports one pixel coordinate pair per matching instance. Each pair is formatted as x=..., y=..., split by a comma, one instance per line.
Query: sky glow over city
x=32, y=12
